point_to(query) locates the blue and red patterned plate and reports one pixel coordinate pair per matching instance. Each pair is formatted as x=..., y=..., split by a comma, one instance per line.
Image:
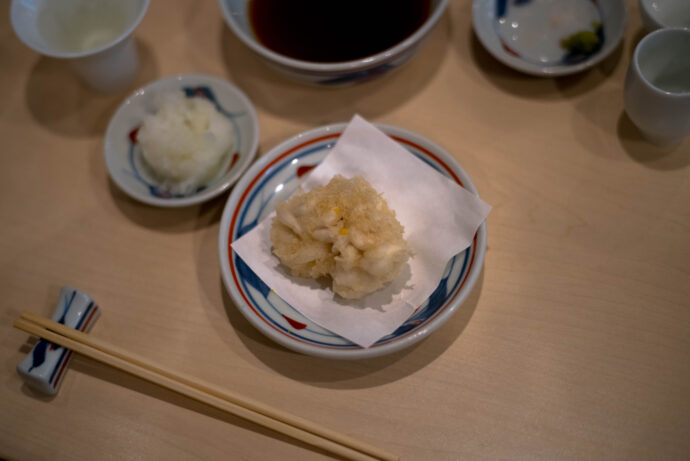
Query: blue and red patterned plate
x=274, y=177
x=123, y=155
x=549, y=38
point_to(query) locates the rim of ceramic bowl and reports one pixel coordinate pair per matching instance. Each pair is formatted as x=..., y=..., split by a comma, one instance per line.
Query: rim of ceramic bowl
x=335, y=67
x=77, y=54
x=647, y=9
x=207, y=193
x=487, y=36
x=636, y=60
x=404, y=341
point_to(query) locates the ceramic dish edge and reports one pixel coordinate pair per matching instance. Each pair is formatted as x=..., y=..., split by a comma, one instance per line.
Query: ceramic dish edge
x=374, y=351
x=206, y=194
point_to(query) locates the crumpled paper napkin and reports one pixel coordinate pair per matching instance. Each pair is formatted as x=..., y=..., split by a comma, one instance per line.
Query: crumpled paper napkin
x=440, y=220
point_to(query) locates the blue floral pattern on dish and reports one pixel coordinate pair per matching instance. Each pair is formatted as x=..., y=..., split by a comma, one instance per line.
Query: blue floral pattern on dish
x=277, y=183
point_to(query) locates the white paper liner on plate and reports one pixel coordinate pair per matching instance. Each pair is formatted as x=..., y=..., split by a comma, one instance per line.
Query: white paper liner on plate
x=440, y=220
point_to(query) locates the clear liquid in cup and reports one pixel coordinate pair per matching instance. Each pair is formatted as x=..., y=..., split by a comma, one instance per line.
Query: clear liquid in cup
x=78, y=26
x=676, y=81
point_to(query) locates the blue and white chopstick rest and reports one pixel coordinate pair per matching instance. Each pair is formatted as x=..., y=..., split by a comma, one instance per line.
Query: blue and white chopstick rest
x=45, y=366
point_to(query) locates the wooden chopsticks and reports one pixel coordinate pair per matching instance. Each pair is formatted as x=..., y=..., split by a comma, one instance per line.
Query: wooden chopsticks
x=194, y=388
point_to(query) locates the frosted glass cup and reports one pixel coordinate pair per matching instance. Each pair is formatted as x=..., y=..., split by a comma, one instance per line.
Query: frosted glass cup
x=657, y=86
x=94, y=35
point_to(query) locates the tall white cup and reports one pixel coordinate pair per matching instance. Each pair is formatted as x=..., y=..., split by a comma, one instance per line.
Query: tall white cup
x=657, y=86
x=94, y=35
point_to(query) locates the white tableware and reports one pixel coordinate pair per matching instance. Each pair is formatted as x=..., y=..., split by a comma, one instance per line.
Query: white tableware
x=657, y=86
x=94, y=35
x=338, y=73
x=123, y=154
x=537, y=37
x=657, y=14
x=275, y=176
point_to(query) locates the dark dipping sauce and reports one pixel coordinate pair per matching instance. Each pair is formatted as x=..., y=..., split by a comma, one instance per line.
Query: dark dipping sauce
x=335, y=30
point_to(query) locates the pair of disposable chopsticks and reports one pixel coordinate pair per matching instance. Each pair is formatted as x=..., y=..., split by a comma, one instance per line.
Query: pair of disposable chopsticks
x=196, y=389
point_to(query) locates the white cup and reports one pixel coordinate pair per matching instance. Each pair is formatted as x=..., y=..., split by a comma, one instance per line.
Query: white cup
x=657, y=14
x=657, y=86
x=94, y=35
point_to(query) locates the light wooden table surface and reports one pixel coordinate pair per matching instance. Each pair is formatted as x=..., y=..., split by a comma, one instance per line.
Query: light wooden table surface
x=574, y=344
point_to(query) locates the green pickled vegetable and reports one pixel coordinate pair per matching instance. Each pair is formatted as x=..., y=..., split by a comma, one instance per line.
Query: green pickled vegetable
x=583, y=42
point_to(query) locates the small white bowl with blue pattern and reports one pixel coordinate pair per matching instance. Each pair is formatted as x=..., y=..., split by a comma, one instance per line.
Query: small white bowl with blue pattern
x=275, y=176
x=123, y=154
x=336, y=73
x=548, y=38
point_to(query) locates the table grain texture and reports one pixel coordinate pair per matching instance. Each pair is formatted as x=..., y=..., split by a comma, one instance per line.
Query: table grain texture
x=574, y=343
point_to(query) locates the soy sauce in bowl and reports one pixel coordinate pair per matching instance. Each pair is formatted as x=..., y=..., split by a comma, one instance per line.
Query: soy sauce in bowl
x=335, y=31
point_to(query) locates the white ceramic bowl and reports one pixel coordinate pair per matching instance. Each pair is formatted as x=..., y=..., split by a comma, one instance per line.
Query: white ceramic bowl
x=275, y=176
x=526, y=34
x=123, y=155
x=657, y=14
x=338, y=73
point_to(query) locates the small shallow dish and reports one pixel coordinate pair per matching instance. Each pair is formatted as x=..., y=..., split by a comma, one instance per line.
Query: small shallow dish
x=275, y=176
x=658, y=14
x=123, y=154
x=549, y=38
x=336, y=73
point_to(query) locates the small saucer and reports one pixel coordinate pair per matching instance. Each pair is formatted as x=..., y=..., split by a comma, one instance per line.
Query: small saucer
x=123, y=154
x=549, y=38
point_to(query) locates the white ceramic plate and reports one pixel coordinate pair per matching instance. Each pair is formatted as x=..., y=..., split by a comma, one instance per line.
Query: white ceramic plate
x=527, y=35
x=276, y=176
x=123, y=155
